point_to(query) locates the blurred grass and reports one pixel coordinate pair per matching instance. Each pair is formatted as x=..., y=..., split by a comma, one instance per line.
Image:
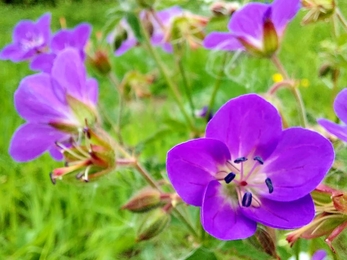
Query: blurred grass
x=68, y=221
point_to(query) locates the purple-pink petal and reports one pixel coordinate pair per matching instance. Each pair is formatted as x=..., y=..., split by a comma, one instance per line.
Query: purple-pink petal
x=12, y=52
x=222, y=217
x=338, y=130
x=281, y=214
x=320, y=255
x=248, y=125
x=222, y=41
x=340, y=105
x=248, y=22
x=36, y=101
x=166, y=15
x=282, y=12
x=93, y=90
x=129, y=43
x=43, y=62
x=299, y=163
x=193, y=164
x=31, y=140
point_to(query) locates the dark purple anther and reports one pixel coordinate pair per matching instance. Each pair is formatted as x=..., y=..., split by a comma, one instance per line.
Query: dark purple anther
x=241, y=159
x=269, y=185
x=247, y=199
x=259, y=159
x=229, y=177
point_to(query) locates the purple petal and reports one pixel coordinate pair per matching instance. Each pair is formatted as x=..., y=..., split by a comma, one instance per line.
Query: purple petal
x=299, y=163
x=12, y=52
x=248, y=22
x=129, y=43
x=338, y=130
x=70, y=73
x=43, y=62
x=222, y=218
x=222, y=41
x=166, y=15
x=36, y=101
x=319, y=255
x=248, y=125
x=55, y=153
x=80, y=35
x=31, y=140
x=279, y=214
x=283, y=11
x=340, y=105
x=193, y=164
x=43, y=24
x=24, y=29
x=61, y=40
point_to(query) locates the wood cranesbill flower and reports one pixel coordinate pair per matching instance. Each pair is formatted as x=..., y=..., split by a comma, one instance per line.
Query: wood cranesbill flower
x=341, y=111
x=29, y=39
x=66, y=38
x=56, y=107
x=248, y=170
x=256, y=28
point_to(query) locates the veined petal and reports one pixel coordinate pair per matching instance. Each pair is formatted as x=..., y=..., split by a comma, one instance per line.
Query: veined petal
x=340, y=105
x=80, y=35
x=43, y=62
x=248, y=22
x=248, y=125
x=221, y=219
x=69, y=71
x=279, y=214
x=31, y=140
x=299, y=163
x=283, y=11
x=338, y=130
x=222, y=41
x=36, y=101
x=193, y=164
x=23, y=29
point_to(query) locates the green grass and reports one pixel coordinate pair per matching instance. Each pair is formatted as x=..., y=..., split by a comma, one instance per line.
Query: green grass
x=84, y=221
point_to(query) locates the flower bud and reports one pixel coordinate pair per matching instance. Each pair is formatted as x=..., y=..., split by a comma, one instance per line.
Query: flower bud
x=153, y=224
x=100, y=62
x=270, y=38
x=264, y=240
x=224, y=8
x=317, y=10
x=143, y=201
x=136, y=84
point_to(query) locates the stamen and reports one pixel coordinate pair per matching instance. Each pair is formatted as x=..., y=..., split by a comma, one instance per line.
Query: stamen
x=79, y=175
x=259, y=159
x=247, y=199
x=229, y=177
x=269, y=185
x=240, y=160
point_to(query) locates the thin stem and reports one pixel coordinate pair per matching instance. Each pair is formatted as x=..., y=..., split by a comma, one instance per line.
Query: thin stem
x=146, y=176
x=295, y=90
x=167, y=78
x=296, y=248
x=341, y=18
x=186, y=222
x=216, y=86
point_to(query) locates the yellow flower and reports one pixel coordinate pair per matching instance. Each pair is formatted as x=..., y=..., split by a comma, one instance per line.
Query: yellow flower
x=277, y=77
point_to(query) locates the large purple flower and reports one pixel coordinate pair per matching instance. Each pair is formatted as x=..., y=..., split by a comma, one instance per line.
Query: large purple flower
x=29, y=39
x=75, y=38
x=256, y=27
x=56, y=107
x=124, y=38
x=340, y=107
x=248, y=170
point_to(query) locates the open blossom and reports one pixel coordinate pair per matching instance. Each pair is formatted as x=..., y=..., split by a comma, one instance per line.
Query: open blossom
x=29, y=39
x=56, y=106
x=124, y=38
x=341, y=111
x=75, y=38
x=248, y=170
x=256, y=28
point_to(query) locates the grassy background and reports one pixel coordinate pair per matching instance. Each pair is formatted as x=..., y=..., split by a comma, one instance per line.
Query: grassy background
x=69, y=221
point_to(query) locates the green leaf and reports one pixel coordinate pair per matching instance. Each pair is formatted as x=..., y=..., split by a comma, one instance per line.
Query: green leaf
x=201, y=253
x=134, y=23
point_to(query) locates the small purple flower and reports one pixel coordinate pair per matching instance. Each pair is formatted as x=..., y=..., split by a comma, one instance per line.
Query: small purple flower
x=340, y=107
x=75, y=38
x=320, y=255
x=256, y=27
x=124, y=38
x=248, y=170
x=29, y=39
x=55, y=107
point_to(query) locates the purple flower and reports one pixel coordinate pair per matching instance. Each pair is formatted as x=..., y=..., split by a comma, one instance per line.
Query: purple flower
x=124, y=38
x=320, y=255
x=29, y=39
x=75, y=38
x=256, y=27
x=248, y=170
x=340, y=107
x=55, y=107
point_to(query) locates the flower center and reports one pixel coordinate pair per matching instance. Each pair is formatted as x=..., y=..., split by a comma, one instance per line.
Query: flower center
x=31, y=41
x=247, y=179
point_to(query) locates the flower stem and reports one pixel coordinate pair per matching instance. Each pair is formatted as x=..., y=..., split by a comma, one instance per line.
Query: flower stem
x=216, y=86
x=341, y=18
x=295, y=90
x=167, y=78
